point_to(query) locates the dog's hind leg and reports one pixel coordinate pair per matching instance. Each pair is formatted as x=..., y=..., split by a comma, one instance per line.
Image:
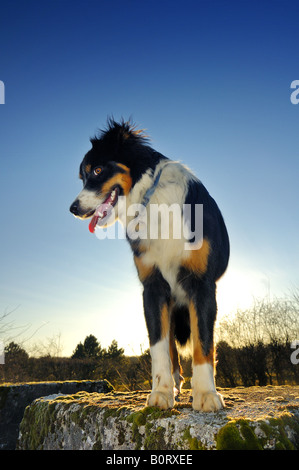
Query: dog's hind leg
x=177, y=370
x=202, y=310
x=156, y=299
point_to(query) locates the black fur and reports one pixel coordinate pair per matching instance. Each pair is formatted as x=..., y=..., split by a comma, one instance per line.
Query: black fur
x=120, y=142
x=156, y=294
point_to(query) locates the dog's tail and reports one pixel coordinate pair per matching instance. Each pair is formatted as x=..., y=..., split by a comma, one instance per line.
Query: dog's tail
x=181, y=323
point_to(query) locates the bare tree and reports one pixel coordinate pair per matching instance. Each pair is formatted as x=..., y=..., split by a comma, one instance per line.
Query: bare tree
x=9, y=331
x=266, y=321
x=260, y=338
x=52, y=346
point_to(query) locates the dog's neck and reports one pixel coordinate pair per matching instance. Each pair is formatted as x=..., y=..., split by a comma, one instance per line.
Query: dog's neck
x=150, y=191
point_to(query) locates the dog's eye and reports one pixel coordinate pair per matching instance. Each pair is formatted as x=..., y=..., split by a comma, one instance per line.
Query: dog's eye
x=97, y=170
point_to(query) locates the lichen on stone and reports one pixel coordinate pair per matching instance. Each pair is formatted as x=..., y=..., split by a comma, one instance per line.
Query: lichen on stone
x=121, y=421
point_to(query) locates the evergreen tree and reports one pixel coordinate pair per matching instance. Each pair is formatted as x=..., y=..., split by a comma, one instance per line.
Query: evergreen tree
x=113, y=350
x=79, y=352
x=90, y=348
x=15, y=352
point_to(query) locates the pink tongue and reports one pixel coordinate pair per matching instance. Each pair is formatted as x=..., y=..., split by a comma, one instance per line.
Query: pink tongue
x=102, y=209
x=93, y=223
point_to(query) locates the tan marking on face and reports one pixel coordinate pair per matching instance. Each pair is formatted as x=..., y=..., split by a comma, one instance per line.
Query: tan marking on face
x=123, y=179
x=124, y=167
x=88, y=168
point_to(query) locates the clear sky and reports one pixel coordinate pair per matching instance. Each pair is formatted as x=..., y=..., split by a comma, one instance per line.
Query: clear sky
x=210, y=82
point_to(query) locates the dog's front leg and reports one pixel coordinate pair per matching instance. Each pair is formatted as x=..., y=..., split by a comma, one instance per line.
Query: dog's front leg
x=156, y=299
x=162, y=394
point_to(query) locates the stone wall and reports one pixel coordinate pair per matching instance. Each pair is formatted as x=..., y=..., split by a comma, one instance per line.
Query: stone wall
x=254, y=418
x=15, y=398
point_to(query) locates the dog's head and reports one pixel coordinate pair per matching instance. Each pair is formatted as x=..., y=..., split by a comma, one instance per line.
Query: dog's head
x=116, y=161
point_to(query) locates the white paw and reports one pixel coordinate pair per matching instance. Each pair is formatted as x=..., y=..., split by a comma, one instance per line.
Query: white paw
x=160, y=399
x=209, y=401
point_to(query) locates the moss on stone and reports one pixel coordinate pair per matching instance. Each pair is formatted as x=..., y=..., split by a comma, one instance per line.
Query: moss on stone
x=194, y=444
x=121, y=435
x=136, y=436
x=40, y=421
x=97, y=445
x=240, y=435
x=76, y=418
x=154, y=440
x=237, y=435
x=109, y=412
x=140, y=417
x=83, y=417
x=278, y=432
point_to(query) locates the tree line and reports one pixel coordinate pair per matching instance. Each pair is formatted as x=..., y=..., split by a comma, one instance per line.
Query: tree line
x=253, y=348
x=89, y=361
x=255, y=345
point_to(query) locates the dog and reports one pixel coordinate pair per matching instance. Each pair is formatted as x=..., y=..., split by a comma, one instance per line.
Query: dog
x=178, y=274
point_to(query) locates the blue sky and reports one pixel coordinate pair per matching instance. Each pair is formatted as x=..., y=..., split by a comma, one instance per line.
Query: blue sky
x=210, y=81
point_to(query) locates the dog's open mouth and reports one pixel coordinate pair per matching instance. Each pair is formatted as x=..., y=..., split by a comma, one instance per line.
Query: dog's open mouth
x=104, y=209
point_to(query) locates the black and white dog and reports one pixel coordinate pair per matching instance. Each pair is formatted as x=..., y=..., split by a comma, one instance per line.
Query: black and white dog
x=178, y=273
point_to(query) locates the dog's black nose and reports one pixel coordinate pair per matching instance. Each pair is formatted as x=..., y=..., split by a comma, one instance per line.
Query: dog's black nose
x=75, y=207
